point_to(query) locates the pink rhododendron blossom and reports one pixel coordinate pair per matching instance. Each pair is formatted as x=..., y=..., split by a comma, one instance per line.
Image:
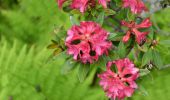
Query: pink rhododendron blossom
x=119, y=83
x=103, y=3
x=60, y=3
x=136, y=6
x=87, y=42
x=82, y=5
x=79, y=4
x=133, y=29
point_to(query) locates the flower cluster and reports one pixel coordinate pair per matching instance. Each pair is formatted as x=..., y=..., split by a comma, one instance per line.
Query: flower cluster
x=133, y=29
x=121, y=82
x=82, y=5
x=87, y=42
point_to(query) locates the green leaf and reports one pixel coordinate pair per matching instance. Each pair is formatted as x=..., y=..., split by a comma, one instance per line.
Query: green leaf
x=142, y=48
x=66, y=9
x=115, y=36
x=118, y=2
x=130, y=16
x=52, y=46
x=143, y=72
x=112, y=36
x=101, y=63
x=157, y=59
x=109, y=12
x=93, y=12
x=151, y=35
x=121, y=50
x=62, y=54
x=60, y=32
x=83, y=71
x=75, y=11
x=100, y=18
x=142, y=91
x=147, y=57
x=68, y=66
x=73, y=20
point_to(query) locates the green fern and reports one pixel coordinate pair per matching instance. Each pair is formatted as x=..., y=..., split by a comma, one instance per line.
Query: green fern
x=25, y=75
x=32, y=21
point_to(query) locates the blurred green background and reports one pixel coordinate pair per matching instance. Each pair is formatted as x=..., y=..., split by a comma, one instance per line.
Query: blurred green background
x=26, y=28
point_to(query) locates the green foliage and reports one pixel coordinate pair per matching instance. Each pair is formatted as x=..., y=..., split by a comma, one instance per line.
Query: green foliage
x=32, y=21
x=143, y=72
x=161, y=19
x=156, y=85
x=8, y=3
x=147, y=57
x=25, y=74
x=157, y=59
x=121, y=50
x=83, y=71
x=100, y=18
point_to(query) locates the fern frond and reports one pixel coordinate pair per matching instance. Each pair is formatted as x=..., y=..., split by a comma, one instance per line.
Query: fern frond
x=25, y=74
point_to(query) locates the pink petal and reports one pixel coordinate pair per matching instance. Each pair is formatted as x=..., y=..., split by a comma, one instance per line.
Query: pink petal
x=103, y=3
x=60, y=3
x=126, y=37
x=144, y=24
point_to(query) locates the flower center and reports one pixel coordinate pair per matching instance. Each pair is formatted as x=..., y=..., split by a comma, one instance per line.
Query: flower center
x=132, y=24
x=86, y=37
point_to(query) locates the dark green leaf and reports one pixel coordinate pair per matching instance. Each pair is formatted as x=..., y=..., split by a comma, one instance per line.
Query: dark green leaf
x=121, y=50
x=116, y=36
x=102, y=62
x=83, y=71
x=130, y=16
x=100, y=18
x=147, y=57
x=109, y=12
x=66, y=9
x=93, y=12
x=151, y=34
x=118, y=2
x=112, y=36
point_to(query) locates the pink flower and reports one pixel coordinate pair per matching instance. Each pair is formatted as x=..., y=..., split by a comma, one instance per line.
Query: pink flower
x=79, y=4
x=87, y=42
x=83, y=5
x=103, y=3
x=133, y=29
x=136, y=6
x=120, y=83
x=60, y=3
